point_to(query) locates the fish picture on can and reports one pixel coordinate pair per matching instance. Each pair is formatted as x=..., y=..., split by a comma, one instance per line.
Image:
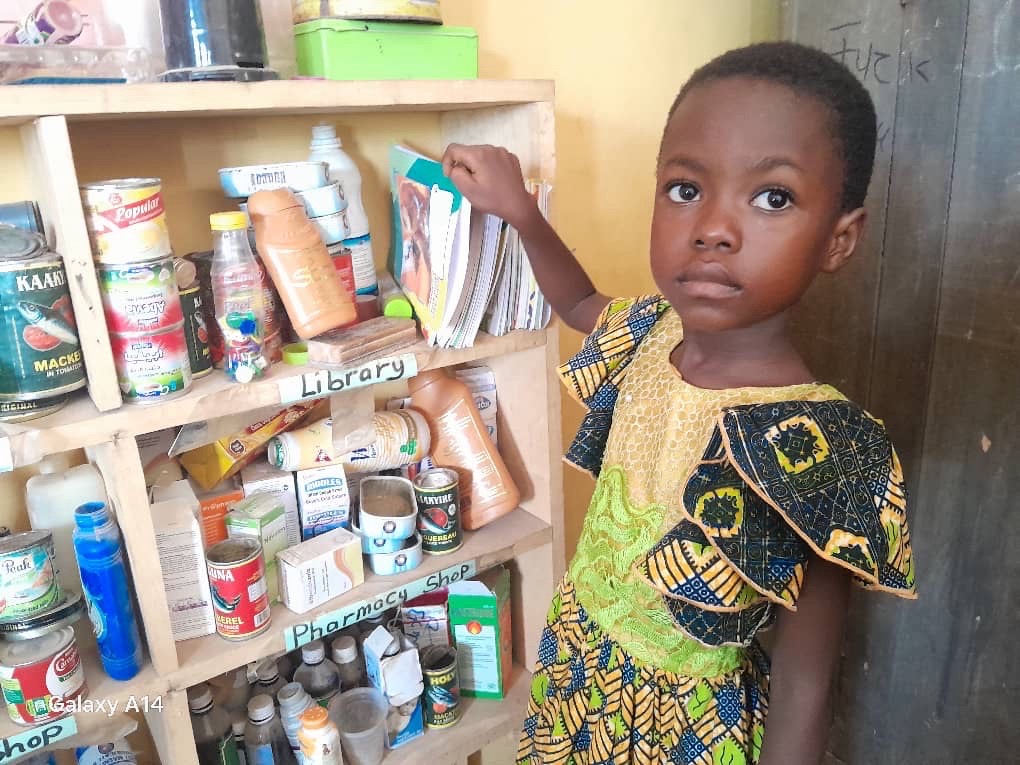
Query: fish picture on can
x=46, y=327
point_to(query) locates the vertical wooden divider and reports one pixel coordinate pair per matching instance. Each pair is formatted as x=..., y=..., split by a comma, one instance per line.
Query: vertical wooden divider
x=121, y=466
x=47, y=147
x=171, y=730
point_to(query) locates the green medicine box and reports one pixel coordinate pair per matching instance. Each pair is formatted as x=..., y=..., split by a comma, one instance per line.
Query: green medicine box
x=338, y=49
x=479, y=612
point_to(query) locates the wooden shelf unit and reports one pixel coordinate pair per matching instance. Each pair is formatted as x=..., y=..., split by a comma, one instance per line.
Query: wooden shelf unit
x=35, y=138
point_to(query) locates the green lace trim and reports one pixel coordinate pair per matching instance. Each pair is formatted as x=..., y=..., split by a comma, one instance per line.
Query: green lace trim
x=615, y=533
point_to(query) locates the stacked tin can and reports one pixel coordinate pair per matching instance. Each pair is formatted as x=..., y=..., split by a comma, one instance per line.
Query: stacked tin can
x=141, y=299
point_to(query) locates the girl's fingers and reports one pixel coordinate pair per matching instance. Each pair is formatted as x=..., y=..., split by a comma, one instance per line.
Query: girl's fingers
x=459, y=155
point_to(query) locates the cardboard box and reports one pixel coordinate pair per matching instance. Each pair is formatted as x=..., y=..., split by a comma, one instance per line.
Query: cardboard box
x=261, y=517
x=263, y=478
x=320, y=569
x=480, y=621
x=324, y=499
x=153, y=449
x=212, y=505
x=425, y=620
x=182, y=562
x=400, y=679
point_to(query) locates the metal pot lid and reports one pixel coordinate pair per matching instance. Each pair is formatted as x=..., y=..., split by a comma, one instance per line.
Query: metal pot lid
x=18, y=244
x=66, y=612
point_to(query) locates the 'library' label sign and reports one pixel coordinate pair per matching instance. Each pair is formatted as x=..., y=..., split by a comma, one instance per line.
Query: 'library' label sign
x=14, y=747
x=305, y=632
x=326, y=382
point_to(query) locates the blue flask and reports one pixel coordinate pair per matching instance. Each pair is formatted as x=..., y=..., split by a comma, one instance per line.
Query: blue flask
x=104, y=580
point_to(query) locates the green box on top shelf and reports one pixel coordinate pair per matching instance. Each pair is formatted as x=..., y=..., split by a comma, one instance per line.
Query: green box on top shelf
x=357, y=50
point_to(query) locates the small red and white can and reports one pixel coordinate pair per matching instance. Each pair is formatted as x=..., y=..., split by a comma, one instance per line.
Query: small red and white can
x=152, y=368
x=39, y=676
x=140, y=297
x=344, y=265
x=237, y=580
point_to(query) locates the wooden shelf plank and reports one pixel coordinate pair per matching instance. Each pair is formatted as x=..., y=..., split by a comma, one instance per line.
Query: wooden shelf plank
x=482, y=722
x=503, y=540
x=207, y=99
x=80, y=424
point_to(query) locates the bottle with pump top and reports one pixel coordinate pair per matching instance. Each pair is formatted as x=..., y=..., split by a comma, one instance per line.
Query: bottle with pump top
x=461, y=441
x=214, y=732
x=299, y=264
x=317, y=674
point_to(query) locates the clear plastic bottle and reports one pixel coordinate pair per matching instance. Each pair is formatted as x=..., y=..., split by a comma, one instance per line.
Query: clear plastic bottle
x=294, y=701
x=237, y=292
x=327, y=147
x=320, y=738
x=214, y=732
x=238, y=725
x=269, y=681
x=317, y=674
x=232, y=692
x=265, y=743
x=105, y=582
x=349, y=661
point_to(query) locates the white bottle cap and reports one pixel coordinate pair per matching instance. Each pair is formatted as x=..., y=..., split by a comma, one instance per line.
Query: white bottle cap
x=267, y=671
x=313, y=653
x=199, y=698
x=260, y=708
x=238, y=726
x=345, y=650
x=325, y=133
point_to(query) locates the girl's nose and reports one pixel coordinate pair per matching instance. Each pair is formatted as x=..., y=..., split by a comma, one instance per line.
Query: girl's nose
x=716, y=229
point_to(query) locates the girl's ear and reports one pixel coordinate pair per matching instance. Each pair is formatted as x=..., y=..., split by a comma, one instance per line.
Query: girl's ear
x=845, y=236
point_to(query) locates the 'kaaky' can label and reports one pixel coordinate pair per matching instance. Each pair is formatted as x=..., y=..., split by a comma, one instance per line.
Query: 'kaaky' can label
x=237, y=581
x=442, y=687
x=437, y=494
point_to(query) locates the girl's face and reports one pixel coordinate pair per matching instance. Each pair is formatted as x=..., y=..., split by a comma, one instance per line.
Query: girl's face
x=747, y=205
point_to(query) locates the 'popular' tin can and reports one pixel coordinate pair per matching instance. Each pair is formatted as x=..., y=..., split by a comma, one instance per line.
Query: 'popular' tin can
x=437, y=494
x=28, y=583
x=37, y=675
x=42, y=359
x=152, y=368
x=442, y=687
x=126, y=219
x=196, y=332
x=140, y=297
x=237, y=579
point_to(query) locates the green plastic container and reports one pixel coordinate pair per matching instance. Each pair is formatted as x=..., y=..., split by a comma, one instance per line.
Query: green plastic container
x=358, y=50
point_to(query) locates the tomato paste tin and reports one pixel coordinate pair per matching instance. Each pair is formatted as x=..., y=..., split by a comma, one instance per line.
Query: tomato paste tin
x=442, y=688
x=152, y=368
x=196, y=331
x=437, y=494
x=141, y=297
x=126, y=220
x=28, y=583
x=39, y=676
x=237, y=580
x=340, y=254
x=39, y=348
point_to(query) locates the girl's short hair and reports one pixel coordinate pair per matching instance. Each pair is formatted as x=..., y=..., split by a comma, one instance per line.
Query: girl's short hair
x=815, y=73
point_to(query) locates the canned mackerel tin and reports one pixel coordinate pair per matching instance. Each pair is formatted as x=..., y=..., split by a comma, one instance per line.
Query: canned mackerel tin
x=152, y=368
x=39, y=349
x=140, y=297
x=28, y=582
x=442, y=688
x=237, y=579
x=196, y=333
x=126, y=220
x=437, y=494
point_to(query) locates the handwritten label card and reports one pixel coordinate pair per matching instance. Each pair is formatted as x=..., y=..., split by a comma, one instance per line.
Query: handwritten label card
x=326, y=382
x=24, y=742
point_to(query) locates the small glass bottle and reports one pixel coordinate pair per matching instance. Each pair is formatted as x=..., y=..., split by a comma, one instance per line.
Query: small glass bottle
x=349, y=661
x=214, y=733
x=268, y=680
x=317, y=674
x=265, y=743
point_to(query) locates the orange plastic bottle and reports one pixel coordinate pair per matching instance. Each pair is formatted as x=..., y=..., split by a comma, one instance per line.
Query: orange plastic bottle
x=460, y=441
x=296, y=258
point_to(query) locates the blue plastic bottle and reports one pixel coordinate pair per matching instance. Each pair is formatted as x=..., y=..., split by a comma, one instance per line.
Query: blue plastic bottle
x=104, y=580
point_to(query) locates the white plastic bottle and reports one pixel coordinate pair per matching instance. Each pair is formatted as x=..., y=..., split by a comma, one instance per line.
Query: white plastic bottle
x=320, y=738
x=51, y=498
x=326, y=147
x=115, y=753
x=294, y=702
x=317, y=674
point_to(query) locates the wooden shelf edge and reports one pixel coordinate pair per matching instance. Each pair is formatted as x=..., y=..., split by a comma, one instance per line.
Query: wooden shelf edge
x=163, y=100
x=503, y=540
x=482, y=722
x=81, y=425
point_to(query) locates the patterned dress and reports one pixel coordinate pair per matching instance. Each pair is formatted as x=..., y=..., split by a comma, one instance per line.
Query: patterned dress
x=707, y=508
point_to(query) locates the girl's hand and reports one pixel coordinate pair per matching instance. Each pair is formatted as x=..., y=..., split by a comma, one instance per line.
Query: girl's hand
x=490, y=177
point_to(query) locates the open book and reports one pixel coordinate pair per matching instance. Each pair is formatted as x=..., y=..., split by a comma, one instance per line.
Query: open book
x=460, y=269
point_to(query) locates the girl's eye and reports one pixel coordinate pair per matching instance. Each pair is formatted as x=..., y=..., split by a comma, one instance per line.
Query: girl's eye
x=772, y=200
x=683, y=192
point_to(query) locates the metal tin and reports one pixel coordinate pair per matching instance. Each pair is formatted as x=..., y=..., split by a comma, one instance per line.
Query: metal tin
x=28, y=582
x=203, y=265
x=38, y=337
x=23, y=215
x=34, y=674
x=387, y=509
x=401, y=437
x=407, y=558
x=141, y=297
x=126, y=220
x=152, y=368
x=372, y=545
x=69, y=610
x=436, y=492
x=196, y=332
x=241, y=182
x=237, y=580
x=20, y=411
x=324, y=200
x=333, y=228
x=442, y=687
x=340, y=254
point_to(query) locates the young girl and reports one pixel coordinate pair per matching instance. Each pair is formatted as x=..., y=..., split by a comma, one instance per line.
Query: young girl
x=734, y=491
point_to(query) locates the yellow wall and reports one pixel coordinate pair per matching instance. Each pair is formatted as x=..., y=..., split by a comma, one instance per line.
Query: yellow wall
x=617, y=71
